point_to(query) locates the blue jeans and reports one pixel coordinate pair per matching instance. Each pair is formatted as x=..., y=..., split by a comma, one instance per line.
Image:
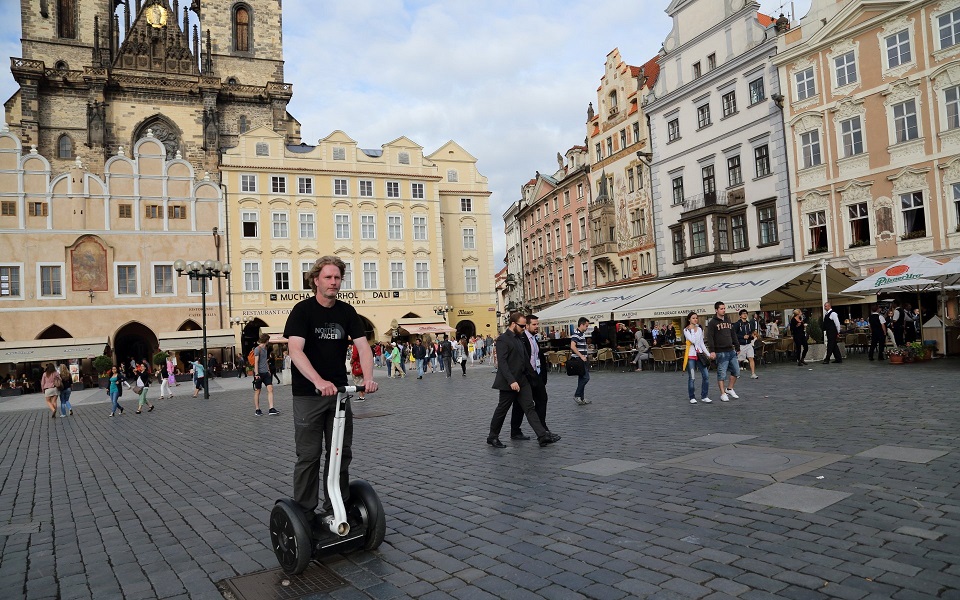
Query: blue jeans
x=582, y=381
x=727, y=360
x=691, y=380
x=113, y=399
x=421, y=366
x=65, y=399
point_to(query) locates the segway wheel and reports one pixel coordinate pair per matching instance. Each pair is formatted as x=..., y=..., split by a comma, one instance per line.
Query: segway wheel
x=365, y=501
x=290, y=538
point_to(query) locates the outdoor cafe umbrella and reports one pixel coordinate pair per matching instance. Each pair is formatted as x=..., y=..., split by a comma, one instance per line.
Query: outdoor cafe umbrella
x=949, y=276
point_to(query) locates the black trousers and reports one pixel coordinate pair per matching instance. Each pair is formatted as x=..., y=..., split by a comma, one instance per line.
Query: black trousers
x=525, y=398
x=539, y=391
x=313, y=426
x=879, y=341
x=832, y=348
x=800, y=346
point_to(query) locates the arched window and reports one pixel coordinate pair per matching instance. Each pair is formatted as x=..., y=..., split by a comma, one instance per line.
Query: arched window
x=241, y=29
x=243, y=124
x=67, y=18
x=64, y=147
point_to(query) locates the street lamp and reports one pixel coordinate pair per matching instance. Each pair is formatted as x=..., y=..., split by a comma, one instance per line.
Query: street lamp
x=242, y=322
x=442, y=311
x=195, y=270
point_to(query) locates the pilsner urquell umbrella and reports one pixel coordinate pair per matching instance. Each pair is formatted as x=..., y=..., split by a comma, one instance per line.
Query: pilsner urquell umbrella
x=948, y=274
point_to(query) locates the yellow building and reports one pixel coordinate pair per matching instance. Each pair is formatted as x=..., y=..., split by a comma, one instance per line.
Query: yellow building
x=87, y=260
x=413, y=230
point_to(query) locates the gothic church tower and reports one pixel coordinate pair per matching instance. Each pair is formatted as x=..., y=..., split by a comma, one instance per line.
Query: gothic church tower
x=96, y=75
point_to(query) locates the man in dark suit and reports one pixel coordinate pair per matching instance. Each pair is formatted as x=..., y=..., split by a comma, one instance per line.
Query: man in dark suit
x=538, y=383
x=513, y=381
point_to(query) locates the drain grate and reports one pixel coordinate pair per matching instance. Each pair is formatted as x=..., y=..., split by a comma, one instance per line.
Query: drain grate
x=277, y=585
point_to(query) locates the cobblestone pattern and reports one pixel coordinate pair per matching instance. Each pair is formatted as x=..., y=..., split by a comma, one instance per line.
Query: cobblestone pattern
x=163, y=505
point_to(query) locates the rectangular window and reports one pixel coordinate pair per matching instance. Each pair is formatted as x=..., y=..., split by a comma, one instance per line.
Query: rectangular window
x=10, y=281
x=396, y=275
x=305, y=267
x=51, y=280
x=127, y=280
x=703, y=116
x=393, y=189
x=677, y=237
x=469, y=239
x=572, y=277
x=859, y=224
x=810, y=144
x=583, y=228
x=609, y=146
x=368, y=227
x=308, y=226
x=162, y=279
x=340, y=187
x=767, y=216
x=281, y=275
x=281, y=225
x=817, y=230
x=342, y=227
x=9, y=208
x=898, y=48
x=914, y=221
x=636, y=132
x=729, y=104
x=466, y=205
x=905, y=121
x=248, y=183
x=37, y=209
x=569, y=227
x=631, y=184
x=677, y=184
x=416, y=191
x=347, y=282
x=761, y=159
x=738, y=225
x=251, y=277
x=697, y=71
x=846, y=69
x=250, y=224
x=419, y=228
x=673, y=130
x=580, y=191
x=394, y=227
x=734, y=173
x=852, y=135
x=599, y=152
x=125, y=211
x=623, y=139
x=709, y=181
x=470, y=280
x=196, y=286
x=806, y=88
x=176, y=211
x=370, y=275
x=422, y=270
x=153, y=211
x=366, y=188
x=951, y=97
x=949, y=27
x=956, y=202
x=305, y=185
x=586, y=274
x=723, y=235
x=698, y=237
x=757, y=93
x=278, y=184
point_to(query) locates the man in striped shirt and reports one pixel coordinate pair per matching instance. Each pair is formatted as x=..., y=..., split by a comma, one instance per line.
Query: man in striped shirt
x=578, y=347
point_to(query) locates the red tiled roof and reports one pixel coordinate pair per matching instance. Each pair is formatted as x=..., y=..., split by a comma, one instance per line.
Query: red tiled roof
x=765, y=20
x=531, y=182
x=652, y=70
x=634, y=71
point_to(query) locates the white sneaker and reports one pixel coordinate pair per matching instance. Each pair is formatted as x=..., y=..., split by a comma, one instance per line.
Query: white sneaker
x=579, y=400
x=706, y=400
x=724, y=398
x=693, y=400
x=754, y=376
x=732, y=394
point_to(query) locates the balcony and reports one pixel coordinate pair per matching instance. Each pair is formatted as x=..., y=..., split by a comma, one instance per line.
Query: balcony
x=703, y=200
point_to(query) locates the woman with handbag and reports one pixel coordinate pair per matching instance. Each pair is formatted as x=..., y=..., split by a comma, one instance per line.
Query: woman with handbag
x=140, y=389
x=66, y=382
x=49, y=384
x=696, y=357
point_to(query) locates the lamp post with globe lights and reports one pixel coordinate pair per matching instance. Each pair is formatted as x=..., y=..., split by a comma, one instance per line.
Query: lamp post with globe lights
x=195, y=270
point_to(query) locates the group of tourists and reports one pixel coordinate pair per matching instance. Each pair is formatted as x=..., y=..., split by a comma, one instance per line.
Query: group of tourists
x=428, y=357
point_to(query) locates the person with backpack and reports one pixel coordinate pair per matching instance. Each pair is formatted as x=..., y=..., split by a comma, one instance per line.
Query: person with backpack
x=262, y=375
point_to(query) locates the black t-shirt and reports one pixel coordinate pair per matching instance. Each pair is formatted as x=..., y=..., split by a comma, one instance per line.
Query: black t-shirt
x=325, y=331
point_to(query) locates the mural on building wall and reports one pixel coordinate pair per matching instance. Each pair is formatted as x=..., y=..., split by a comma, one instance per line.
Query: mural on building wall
x=88, y=261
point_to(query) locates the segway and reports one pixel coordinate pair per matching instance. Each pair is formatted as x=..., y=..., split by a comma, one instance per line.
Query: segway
x=358, y=524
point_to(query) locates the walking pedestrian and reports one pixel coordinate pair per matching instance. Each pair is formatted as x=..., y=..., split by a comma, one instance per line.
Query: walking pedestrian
x=462, y=352
x=578, y=346
x=163, y=376
x=115, y=390
x=878, y=333
x=831, y=326
x=396, y=360
x=48, y=384
x=513, y=380
x=538, y=383
x=198, y=376
x=66, y=388
x=419, y=355
x=798, y=329
x=696, y=359
x=446, y=355
x=262, y=376
x=724, y=346
x=744, y=331
x=142, y=384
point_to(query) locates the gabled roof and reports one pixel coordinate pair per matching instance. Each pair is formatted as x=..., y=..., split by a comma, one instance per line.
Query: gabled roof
x=765, y=20
x=652, y=70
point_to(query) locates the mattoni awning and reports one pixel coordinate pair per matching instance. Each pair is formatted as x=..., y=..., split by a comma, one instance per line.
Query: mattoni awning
x=766, y=288
x=193, y=340
x=59, y=349
x=422, y=328
x=597, y=305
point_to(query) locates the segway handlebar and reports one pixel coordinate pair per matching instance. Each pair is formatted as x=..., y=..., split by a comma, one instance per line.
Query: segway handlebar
x=346, y=389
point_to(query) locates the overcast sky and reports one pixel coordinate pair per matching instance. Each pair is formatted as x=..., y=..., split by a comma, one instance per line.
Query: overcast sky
x=509, y=80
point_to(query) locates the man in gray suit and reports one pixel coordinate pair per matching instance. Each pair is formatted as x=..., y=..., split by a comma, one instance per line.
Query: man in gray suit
x=513, y=371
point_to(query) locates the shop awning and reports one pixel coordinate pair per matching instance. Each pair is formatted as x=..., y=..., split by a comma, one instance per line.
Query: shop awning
x=766, y=288
x=193, y=340
x=276, y=335
x=597, y=305
x=422, y=328
x=60, y=349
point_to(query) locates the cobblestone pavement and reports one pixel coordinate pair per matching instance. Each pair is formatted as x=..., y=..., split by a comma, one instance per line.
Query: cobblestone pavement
x=165, y=504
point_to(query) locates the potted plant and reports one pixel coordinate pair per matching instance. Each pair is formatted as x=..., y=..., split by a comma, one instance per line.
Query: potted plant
x=160, y=358
x=896, y=355
x=102, y=364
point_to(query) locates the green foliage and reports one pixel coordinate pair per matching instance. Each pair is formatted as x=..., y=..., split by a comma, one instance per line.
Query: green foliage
x=814, y=331
x=102, y=364
x=159, y=358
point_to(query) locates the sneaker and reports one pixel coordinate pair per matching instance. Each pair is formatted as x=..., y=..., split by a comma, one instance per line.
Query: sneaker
x=71, y=412
x=724, y=398
x=732, y=394
x=359, y=399
x=754, y=376
x=273, y=412
x=693, y=400
x=63, y=416
x=259, y=413
x=706, y=400
x=579, y=400
x=585, y=401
